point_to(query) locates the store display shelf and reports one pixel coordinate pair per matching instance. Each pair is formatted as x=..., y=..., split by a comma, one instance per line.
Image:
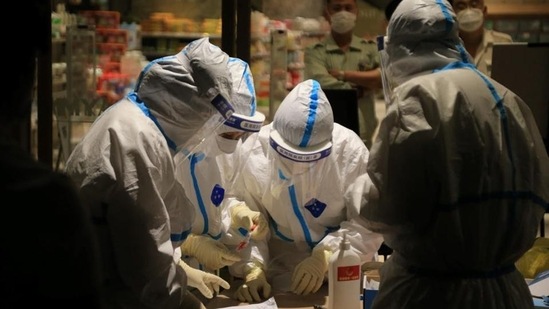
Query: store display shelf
x=517, y=10
x=58, y=95
x=157, y=54
x=59, y=81
x=181, y=35
x=260, y=56
x=296, y=66
x=315, y=33
x=115, y=45
x=265, y=38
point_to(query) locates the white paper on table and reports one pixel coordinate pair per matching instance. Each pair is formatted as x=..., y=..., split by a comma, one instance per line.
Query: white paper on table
x=369, y=284
x=268, y=304
x=540, y=285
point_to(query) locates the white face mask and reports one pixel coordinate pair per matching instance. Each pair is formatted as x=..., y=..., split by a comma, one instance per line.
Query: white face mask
x=470, y=20
x=226, y=145
x=343, y=21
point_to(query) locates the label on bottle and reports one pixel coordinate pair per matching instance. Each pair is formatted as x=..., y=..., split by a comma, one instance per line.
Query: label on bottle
x=348, y=273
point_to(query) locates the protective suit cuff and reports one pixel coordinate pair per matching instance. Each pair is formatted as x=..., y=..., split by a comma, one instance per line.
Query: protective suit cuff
x=233, y=202
x=250, y=266
x=254, y=273
x=238, y=206
x=191, y=244
x=322, y=253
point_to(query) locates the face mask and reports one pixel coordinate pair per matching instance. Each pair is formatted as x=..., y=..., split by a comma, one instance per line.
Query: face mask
x=343, y=21
x=470, y=20
x=226, y=145
x=293, y=168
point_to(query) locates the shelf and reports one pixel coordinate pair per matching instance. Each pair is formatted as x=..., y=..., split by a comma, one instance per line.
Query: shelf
x=517, y=10
x=179, y=35
x=58, y=95
x=157, y=54
x=112, y=45
x=261, y=38
x=260, y=56
x=315, y=33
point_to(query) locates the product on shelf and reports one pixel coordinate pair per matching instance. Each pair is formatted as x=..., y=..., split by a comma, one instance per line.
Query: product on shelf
x=107, y=35
x=168, y=22
x=102, y=19
x=277, y=53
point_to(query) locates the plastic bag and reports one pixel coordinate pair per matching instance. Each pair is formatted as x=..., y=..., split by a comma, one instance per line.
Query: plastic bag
x=535, y=260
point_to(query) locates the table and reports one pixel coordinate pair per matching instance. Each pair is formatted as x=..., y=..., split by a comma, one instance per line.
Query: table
x=283, y=299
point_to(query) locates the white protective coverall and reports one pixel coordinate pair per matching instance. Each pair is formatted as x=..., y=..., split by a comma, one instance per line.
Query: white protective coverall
x=210, y=172
x=125, y=169
x=461, y=172
x=299, y=174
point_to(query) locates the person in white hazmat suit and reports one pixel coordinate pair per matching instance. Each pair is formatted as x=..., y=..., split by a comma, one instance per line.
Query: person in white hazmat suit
x=208, y=177
x=298, y=175
x=460, y=172
x=125, y=168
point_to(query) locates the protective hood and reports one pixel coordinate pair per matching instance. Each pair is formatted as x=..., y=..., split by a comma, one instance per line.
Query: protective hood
x=212, y=169
x=303, y=124
x=179, y=89
x=243, y=99
x=422, y=35
x=301, y=143
x=245, y=118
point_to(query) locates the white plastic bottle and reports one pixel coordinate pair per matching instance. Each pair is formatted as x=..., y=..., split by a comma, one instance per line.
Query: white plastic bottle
x=344, y=276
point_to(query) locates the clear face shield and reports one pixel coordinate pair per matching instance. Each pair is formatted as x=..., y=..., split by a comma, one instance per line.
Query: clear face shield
x=297, y=174
x=386, y=78
x=224, y=111
x=238, y=127
x=209, y=171
x=197, y=172
x=229, y=138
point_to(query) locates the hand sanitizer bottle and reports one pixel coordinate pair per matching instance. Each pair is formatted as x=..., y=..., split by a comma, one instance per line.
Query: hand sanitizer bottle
x=344, y=277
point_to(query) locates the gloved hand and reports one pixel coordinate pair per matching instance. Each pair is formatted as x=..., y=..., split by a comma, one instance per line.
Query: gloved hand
x=209, y=252
x=308, y=275
x=190, y=301
x=255, y=282
x=243, y=217
x=205, y=282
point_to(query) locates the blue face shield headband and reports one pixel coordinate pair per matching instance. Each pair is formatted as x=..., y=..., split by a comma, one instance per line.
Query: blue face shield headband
x=245, y=123
x=291, y=153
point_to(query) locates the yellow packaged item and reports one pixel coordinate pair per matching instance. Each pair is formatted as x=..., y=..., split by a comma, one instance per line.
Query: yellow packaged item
x=535, y=260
